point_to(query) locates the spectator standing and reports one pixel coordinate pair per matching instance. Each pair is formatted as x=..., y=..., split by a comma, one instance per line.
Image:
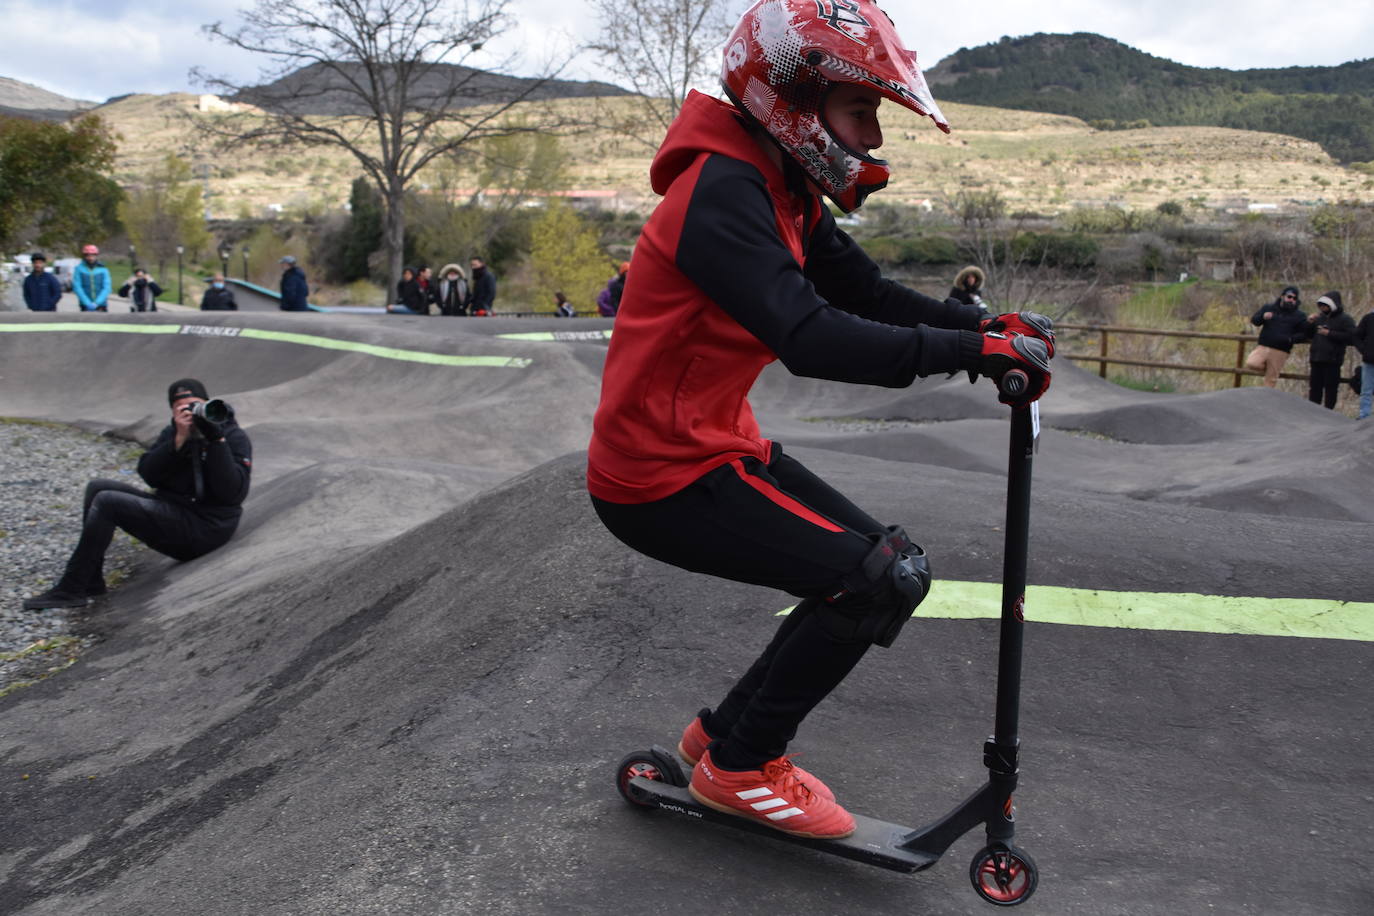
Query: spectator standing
x=968, y=286
x=142, y=291
x=562, y=308
x=295, y=292
x=482, y=292
x=1280, y=324
x=1363, y=339
x=199, y=471
x=91, y=281
x=608, y=300
x=218, y=297
x=451, y=292
x=1331, y=330
x=42, y=290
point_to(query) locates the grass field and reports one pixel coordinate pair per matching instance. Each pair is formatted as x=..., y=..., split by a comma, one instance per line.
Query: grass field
x=1047, y=163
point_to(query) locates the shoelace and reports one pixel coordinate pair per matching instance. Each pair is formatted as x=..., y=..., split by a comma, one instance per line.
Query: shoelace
x=784, y=773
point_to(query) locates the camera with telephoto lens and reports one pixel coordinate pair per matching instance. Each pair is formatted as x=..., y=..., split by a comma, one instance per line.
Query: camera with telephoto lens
x=214, y=410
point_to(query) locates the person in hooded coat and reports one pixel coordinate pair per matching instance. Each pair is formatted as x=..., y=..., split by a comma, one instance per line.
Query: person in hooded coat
x=968, y=286
x=451, y=292
x=1330, y=330
x=1281, y=324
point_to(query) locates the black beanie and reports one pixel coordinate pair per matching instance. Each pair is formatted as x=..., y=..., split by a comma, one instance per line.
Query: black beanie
x=186, y=388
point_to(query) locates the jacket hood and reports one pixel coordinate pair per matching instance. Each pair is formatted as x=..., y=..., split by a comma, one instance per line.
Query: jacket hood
x=443, y=271
x=1332, y=299
x=706, y=125
x=971, y=270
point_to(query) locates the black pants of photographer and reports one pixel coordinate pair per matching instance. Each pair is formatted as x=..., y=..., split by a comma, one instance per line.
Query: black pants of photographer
x=1324, y=384
x=165, y=526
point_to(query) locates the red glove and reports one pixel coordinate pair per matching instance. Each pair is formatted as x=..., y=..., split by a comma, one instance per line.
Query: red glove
x=1019, y=365
x=1027, y=324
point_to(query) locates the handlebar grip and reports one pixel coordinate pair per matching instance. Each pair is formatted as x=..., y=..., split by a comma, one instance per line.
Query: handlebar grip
x=1014, y=383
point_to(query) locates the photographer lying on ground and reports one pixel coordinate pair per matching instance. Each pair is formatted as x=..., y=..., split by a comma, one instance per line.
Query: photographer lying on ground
x=198, y=469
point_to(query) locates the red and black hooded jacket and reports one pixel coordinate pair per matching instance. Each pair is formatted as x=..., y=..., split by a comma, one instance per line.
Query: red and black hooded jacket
x=737, y=268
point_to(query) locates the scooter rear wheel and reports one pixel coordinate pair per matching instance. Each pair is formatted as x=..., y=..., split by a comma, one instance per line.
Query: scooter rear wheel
x=1003, y=875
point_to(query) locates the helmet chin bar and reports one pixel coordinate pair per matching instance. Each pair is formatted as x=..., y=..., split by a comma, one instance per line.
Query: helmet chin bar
x=846, y=193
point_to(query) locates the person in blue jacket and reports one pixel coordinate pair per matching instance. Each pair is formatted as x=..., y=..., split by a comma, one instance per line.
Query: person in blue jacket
x=41, y=289
x=294, y=290
x=91, y=281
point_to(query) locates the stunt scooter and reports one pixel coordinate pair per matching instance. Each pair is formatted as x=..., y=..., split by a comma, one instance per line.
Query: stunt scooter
x=1001, y=873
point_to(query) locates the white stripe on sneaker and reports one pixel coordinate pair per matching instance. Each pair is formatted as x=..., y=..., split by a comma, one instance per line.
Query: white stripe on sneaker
x=768, y=803
x=754, y=793
x=784, y=815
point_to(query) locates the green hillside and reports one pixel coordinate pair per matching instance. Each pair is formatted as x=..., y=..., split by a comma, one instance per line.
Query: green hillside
x=1112, y=85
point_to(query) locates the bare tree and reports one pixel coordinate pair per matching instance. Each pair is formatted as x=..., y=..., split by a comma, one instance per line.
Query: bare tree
x=1019, y=267
x=382, y=79
x=662, y=49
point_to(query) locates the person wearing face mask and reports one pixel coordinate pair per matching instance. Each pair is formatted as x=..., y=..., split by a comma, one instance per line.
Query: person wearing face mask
x=1330, y=330
x=142, y=291
x=218, y=297
x=1281, y=323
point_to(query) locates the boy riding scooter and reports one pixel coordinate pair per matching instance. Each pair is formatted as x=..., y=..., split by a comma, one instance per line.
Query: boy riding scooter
x=740, y=265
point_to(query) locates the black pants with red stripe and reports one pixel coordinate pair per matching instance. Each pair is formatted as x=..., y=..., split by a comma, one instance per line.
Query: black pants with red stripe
x=775, y=525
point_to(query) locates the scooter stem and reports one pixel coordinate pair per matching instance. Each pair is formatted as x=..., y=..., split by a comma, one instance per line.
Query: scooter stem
x=1024, y=423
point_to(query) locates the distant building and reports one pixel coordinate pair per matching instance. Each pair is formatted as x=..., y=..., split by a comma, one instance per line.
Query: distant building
x=209, y=103
x=1216, y=268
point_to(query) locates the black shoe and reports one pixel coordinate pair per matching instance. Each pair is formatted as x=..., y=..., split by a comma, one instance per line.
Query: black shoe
x=56, y=597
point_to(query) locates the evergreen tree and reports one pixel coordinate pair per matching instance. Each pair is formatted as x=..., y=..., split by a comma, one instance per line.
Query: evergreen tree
x=364, y=233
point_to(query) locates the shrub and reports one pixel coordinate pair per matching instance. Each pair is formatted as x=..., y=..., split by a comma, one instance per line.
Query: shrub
x=1056, y=249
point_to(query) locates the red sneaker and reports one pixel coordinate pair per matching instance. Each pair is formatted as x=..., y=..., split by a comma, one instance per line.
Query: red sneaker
x=773, y=796
x=695, y=739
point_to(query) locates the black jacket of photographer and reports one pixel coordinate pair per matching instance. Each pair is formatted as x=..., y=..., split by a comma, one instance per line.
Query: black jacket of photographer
x=208, y=477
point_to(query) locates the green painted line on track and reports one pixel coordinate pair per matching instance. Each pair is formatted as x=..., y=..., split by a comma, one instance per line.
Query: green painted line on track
x=305, y=340
x=414, y=356
x=104, y=327
x=1309, y=618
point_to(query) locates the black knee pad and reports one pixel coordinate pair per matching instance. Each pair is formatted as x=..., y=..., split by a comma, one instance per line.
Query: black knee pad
x=874, y=602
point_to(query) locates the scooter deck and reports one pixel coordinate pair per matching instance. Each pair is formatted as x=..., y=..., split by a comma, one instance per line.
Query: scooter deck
x=873, y=842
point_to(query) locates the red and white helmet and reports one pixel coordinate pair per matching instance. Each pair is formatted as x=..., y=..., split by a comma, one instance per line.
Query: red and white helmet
x=89, y=249
x=782, y=59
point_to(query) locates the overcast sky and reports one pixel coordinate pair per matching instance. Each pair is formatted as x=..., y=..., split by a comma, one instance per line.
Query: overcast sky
x=94, y=49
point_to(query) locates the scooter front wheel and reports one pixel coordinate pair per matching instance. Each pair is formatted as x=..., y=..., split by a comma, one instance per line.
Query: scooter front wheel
x=1003, y=875
x=656, y=764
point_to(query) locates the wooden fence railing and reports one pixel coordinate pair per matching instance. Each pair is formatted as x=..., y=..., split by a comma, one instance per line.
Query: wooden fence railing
x=1103, y=358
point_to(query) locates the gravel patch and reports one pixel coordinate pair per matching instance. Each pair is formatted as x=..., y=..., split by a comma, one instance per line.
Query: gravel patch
x=43, y=473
